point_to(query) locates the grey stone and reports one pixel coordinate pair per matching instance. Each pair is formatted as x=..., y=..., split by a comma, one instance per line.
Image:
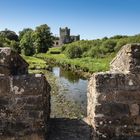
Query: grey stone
x=114, y=98
x=12, y=63
x=24, y=98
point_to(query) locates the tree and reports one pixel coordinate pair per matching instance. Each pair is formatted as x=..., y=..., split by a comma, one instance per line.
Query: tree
x=43, y=38
x=95, y=52
x=4, y=42
x=11, y=35
x=15, y=46
x=27, y=44
x=24, y=31
x=108, y=46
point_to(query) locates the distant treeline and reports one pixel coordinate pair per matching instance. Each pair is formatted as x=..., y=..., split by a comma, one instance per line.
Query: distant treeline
x=29, y=41
x=98, y=48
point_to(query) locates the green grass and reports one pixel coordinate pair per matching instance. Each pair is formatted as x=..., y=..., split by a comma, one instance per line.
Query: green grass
x=55, y=50
x=35, y=63
x=87, y=63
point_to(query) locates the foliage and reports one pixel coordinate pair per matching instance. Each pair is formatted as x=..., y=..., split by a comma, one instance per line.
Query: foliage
x=15, y=46
x=35, y=63
x=11, y=35
x=54, y=50
x=24, y=31
x=35, y=41
x=43, y=39
x=100, y=48
x=85, y=64
x=5, y=42
x=27, y=44
x=94, y=52
x=108, y=46
x=31, y=42
x=73, y=52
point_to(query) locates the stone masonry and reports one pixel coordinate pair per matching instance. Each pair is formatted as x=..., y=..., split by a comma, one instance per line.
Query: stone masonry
x=11, y=63
x=114, y=98
x=24, y=98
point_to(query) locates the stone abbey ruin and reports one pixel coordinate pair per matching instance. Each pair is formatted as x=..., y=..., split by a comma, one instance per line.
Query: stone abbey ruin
x=65, y=37
x=113, y=109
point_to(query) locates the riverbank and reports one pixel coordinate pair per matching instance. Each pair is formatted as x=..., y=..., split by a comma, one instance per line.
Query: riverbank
x=82, y=66
x=35, y=63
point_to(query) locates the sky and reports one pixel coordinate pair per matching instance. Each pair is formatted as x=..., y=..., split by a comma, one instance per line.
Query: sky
x=91, y=19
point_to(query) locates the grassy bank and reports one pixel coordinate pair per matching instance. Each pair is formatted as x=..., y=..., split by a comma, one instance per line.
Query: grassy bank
x=35, y=63
x=86, y=64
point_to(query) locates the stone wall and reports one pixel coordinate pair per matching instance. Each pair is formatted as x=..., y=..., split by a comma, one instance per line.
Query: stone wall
x=11, y=63
x=114, y=98
x=24, y=104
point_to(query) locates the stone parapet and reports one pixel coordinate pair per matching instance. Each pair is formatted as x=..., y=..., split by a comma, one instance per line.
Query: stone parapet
x=24, y=104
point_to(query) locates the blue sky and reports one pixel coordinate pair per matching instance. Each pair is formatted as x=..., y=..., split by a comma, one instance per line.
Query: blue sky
x=90, y=18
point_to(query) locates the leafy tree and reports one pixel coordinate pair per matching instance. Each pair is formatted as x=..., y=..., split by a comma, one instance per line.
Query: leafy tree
x=43, y=38
x=105, y=38
x=11, y=35
x=95, y=52
x=15, y=46
x=27, y=44
x=108, y=46
x=4, y=42
x=24, y=31
x=118, y=37
x=121, y=43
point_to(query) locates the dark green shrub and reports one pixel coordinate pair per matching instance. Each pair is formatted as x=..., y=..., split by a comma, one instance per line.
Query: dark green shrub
x=95, y=52
x=73, y=52
x=63, y=48
x=108, y=46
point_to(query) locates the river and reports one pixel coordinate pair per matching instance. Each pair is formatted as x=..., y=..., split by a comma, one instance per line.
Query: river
x=70, y=101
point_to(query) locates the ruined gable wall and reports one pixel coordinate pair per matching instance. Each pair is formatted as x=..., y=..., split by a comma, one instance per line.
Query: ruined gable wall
x=114, y=101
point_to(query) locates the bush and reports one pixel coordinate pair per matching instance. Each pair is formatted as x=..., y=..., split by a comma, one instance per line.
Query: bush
x=95, y=52
x=73, y=52
x=63, y=48
x=108, y=46
x=120, y=44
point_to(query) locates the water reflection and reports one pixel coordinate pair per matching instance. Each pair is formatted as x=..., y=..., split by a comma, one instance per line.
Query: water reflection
x=74, y=88
x=69, y=75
